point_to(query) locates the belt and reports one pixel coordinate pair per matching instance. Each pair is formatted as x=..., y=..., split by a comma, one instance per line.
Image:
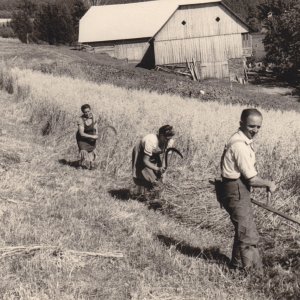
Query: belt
x=224, y=179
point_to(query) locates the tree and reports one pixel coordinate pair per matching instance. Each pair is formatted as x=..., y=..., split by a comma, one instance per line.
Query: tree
x=252, y=18
x=282, y=40
x=21, y=22
x=53, y=24
x=77, y=11
x=89, y=3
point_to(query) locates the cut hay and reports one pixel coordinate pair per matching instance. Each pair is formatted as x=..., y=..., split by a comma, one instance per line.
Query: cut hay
x=28, y=250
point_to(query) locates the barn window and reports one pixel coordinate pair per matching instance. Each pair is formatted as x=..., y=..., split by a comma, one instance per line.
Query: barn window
x=245, y=36
x=246, y=40
x=183, y=22
x=218, y=19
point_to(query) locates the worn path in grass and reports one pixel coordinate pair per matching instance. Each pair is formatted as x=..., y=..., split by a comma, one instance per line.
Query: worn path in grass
x=61, y=208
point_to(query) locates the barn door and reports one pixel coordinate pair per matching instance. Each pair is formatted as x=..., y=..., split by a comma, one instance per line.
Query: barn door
x=214, y=70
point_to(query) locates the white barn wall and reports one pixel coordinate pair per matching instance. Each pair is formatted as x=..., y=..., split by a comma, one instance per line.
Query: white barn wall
x=200, y=22
x=133, y=52
x=205, y=50
x=212, y=44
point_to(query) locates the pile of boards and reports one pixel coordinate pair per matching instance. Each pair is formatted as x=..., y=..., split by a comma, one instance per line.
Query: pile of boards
x=190, y=69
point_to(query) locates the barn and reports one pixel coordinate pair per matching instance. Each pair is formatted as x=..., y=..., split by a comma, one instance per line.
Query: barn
x=171, y=32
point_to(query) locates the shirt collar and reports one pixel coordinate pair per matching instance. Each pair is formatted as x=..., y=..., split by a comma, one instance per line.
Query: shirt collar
x=245, y=138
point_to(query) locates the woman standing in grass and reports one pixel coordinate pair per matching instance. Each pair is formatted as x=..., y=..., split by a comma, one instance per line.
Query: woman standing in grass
x=147, y=166
x=86, y=137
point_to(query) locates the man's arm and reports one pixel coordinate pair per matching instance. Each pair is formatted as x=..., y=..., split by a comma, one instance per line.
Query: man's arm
x=81, y=132
x=96, y=128
x=248, y=170
x=257, y=181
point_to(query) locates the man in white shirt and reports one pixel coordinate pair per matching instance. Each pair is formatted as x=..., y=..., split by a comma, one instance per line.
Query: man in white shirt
x=238, y=175
x=147, y=165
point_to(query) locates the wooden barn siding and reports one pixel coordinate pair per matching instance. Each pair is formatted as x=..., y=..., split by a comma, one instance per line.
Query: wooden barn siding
x=133, y=52
x=200, y=22
x=205, y=50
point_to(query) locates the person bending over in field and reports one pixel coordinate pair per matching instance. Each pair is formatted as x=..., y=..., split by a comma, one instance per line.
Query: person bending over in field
x=86, y=137
x=147, y=166
x=238, y=175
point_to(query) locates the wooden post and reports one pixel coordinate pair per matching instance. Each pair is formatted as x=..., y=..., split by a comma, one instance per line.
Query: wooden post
x=196, y=69
x=191, y=70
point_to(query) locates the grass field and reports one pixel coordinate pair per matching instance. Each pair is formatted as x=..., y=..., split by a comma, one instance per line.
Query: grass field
x=179, y=251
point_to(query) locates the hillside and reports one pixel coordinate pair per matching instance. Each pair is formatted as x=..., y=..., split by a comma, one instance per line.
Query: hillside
x=101, y=68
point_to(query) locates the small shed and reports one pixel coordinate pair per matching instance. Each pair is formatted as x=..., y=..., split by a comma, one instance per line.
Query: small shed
x=171, y=32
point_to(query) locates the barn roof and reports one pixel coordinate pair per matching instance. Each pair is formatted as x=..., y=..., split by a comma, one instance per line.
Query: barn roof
x=188, y=2
x=124, y=21
x=129, y=21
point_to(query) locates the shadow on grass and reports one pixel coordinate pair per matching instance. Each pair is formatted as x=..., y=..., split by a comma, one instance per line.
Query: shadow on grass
x=120, y=194
x=274, y=82
x=74, y=164
x=125, y=194
x=212, y=253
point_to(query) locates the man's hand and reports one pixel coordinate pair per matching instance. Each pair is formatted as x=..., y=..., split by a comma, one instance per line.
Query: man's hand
x=160, y=171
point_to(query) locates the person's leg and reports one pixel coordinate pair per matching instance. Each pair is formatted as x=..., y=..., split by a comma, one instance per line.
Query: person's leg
x=229, y=201
x=247, y=233
x=154, y=184
x=257, y=261
x=237, y=203
x=235, y=261
x=141, y=188
x=149, y=175
x=250, y=258
x=84, y=159
x=92, y=158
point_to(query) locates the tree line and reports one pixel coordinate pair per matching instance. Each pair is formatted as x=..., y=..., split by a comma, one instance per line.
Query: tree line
x=54, y=22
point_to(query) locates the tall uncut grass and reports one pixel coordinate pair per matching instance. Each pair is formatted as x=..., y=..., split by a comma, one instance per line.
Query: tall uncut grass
x=53, y=106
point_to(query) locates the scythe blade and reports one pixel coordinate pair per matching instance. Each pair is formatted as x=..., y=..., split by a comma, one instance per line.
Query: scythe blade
x=167, y=152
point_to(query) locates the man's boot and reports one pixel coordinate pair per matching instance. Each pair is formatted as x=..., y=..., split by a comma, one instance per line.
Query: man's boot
x=251, y=259
x=235, y=262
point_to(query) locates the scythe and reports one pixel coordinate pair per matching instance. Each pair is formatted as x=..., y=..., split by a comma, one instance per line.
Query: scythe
x=167, y=152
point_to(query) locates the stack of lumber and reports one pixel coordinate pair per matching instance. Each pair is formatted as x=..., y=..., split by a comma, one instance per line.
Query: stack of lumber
x=190, y=69
x=192, y=66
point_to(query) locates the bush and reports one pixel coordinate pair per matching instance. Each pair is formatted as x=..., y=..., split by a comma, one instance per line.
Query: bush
x=7, y=32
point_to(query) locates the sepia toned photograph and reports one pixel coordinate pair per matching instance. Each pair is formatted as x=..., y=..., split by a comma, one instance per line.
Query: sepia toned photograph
x=150, y=149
